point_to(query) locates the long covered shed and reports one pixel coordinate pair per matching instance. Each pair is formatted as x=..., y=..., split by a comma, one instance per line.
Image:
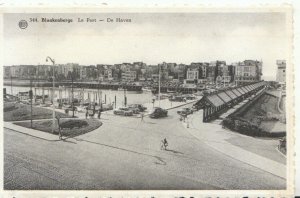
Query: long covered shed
x=215, y=103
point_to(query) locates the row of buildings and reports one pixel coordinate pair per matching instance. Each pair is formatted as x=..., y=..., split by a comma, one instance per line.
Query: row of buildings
x=194, y=73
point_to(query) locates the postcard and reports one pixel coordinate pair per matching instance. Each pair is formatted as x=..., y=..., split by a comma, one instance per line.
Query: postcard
x=173, y=102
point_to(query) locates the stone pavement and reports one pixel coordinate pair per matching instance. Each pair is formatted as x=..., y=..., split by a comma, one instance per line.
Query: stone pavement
x=215, y=136
x=81, y=115
x=124, y=154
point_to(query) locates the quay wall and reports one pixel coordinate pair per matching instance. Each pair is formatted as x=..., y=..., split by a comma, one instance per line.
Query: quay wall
x=236, y=122
x=75, y=85
x=95, y=85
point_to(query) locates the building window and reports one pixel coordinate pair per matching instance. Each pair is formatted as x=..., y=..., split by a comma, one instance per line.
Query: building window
x=246, y=69
x=283, y=70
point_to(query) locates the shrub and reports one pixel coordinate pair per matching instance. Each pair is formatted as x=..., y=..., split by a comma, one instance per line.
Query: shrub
x=9, y=106
x=242, y=126
x=70, y=124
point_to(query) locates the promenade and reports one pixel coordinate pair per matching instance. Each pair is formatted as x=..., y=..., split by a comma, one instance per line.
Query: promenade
x=166, y=104
x=124, y=153
x=219, y=138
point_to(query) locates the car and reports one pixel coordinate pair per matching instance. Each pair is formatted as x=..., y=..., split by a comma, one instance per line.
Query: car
x=139, y=106
x=46, y=104
x=177, y=99
x=69, y=107
x=190, y=97
x=25, y=101
x=107, y=107
x=134, y=110
x=158, y=112
x=196, y=107
x=123, y=111
x=81, y=109
x=185, y=111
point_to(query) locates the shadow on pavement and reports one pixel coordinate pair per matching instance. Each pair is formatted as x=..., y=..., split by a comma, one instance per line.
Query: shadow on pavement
x=103, y=119
x=150, y=122
x=173, y=151
x=161, y=161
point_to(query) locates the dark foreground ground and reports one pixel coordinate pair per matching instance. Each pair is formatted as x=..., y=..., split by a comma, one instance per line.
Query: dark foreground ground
x=124, y=153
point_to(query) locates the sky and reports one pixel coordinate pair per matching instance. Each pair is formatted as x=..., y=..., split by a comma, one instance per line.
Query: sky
x=150, y=37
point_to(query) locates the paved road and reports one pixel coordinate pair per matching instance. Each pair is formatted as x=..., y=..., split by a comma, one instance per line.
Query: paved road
x=125, y=154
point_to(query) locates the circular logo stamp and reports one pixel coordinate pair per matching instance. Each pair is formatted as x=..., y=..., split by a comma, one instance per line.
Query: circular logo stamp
x=23, y=24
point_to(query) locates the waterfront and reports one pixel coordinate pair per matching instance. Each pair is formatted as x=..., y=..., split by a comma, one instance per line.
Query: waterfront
x=200, y=155
x=132, y=96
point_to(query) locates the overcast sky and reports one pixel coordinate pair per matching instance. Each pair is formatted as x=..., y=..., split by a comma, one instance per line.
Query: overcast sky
x=152, y=38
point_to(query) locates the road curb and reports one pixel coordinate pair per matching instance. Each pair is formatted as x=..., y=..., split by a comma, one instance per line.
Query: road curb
x=277, y=149
x=31, y=132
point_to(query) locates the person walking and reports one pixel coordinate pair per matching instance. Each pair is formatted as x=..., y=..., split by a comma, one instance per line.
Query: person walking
x=164, y=144
x=86, y=113
x=94, y=112
x=59, y=133
x=99, y=113
x=142, y=117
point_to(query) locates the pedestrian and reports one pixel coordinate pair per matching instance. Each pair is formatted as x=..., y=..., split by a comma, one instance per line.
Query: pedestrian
x=86, y=113
x=59, y=134
x=99, y=113
x=142, y=117
x=184, y=117
x=59, y=128
x=94, y=111
x=165, y=143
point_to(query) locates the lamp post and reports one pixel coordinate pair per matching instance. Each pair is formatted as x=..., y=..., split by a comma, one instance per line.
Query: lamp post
x=73, y=73
x=159, y=85
x=30, y=96
x=11, y=89
x=53, y=108
x=100, y=96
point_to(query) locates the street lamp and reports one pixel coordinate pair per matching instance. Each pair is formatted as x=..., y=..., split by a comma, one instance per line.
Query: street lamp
x=158, y=85
x=53, y=108
x=11, y=89
x=73, y=73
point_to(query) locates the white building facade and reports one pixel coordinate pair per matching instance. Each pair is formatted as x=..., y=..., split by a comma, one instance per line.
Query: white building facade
x=281, y=71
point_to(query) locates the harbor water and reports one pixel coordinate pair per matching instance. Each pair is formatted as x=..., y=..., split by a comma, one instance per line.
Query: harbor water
x=92, y=95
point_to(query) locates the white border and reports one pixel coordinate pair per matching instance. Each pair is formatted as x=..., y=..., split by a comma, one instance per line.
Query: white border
x=141, y=8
